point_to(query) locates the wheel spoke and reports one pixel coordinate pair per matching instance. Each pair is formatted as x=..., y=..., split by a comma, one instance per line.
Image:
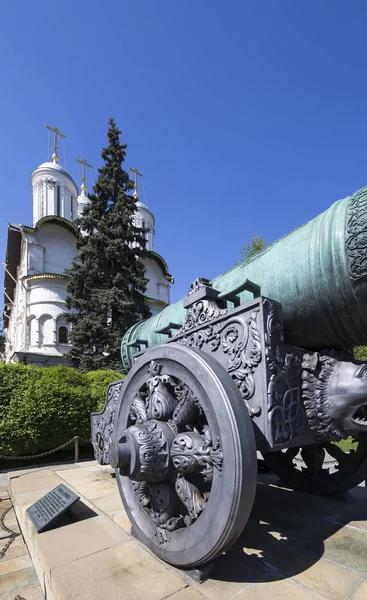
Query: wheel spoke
x=343, y=458
x=318, y=474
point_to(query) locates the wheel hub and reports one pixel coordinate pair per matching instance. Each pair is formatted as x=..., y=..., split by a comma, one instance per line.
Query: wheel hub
x=144, y=452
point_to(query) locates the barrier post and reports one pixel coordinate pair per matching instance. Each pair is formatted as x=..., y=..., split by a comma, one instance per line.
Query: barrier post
x=76, y=448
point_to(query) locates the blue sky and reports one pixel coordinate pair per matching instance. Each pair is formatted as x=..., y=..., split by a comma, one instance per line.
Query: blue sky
x=245, y=116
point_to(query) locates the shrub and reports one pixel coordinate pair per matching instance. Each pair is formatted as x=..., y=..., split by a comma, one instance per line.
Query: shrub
x=98, y=383
x=360, y=352
x=43, y=407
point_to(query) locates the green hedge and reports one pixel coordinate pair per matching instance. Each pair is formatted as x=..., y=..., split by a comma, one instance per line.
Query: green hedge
x=360, y=352
x=98, y=383
x=43, y=407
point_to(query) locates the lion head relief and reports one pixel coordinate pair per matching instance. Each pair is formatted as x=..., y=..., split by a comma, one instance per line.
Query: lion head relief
x=334, y=395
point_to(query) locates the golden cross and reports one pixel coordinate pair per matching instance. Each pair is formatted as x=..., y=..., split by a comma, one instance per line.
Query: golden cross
x=136, y=173
x=55, y=158
x=83, y=162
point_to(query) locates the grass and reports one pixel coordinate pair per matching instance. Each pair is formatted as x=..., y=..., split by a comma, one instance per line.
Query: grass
x=347, y=445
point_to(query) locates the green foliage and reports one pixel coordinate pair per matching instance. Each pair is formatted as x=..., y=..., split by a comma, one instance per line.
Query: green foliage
x=107, y=279
x=347, y=445
x=98, y=382
x=256, y=245
x=43, y=407
x=360, y=352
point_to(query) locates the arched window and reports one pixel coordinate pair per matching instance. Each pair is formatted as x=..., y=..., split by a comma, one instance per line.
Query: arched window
x=63, y=335
x=145, y=226
x=32, y=331
x=46, y=330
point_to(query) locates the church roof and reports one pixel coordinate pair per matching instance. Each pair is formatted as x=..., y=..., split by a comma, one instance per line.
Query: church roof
x=56, y=221
x=141, y=205
x=162, y=263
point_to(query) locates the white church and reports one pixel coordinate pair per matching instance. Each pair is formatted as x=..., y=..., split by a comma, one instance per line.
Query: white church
x=36, y=258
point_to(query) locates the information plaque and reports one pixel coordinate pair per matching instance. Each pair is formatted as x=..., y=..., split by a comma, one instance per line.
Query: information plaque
x=51, y=507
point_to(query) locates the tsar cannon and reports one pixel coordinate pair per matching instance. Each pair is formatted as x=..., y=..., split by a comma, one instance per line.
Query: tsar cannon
x=258, y=359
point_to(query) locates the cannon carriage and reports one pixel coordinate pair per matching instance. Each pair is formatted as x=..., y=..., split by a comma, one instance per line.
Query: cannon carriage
x=256, y=360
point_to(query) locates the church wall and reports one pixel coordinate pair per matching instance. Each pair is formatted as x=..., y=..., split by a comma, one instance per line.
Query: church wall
x=46, y=291
x=35, y=259
x=17, y=324
x=46, y=307
x=158, y=286
x=60, y=248
x=154, y=308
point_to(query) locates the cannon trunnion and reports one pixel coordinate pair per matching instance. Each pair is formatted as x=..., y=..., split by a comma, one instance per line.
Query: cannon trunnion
x=183, y=428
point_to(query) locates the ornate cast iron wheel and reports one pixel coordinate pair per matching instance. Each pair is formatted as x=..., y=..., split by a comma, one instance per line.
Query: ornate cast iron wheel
x=320, y=468
x=185, y=455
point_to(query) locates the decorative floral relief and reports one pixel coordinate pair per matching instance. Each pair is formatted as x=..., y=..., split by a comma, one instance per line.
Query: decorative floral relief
x=103, y=424
x=194, y=452
x=192, y=498
x=285, y=411
x=356, y=242
x=239, y=339
x=200, y=313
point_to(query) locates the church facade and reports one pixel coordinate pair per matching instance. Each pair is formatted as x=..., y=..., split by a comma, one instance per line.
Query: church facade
x=36, y=259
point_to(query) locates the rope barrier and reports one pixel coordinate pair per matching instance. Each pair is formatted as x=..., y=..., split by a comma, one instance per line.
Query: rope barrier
x=76, y=439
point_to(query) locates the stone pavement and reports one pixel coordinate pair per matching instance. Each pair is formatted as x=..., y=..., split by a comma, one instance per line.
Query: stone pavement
x=295, y=546
x=17, y=574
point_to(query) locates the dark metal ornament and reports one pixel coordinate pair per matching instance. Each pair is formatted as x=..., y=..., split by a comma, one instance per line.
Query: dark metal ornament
x=195, y=495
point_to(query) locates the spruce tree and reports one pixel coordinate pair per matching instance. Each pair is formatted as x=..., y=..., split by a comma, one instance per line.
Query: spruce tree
x=107, y=278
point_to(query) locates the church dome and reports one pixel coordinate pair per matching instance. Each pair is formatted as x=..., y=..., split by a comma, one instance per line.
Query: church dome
x=82, y=202
x=142, y=205
x=54, y=192
x=144, y=218
x=52, y=166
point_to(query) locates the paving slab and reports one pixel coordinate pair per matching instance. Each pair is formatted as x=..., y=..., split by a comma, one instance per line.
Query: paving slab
x=294, y=546
x=186, y=593
x=110, y=505
x=347, y=547
x=329, y=579
x=360, y=593
x=17, y=548
x=29, y=594
x=125, y=567
x=68, y=543
x=18, y=582
x=278, y=590
x=15, y=564
x=26, y=484
x=122, y=520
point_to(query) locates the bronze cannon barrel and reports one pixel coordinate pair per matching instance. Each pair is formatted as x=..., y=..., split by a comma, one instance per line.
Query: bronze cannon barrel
x=317, y=272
